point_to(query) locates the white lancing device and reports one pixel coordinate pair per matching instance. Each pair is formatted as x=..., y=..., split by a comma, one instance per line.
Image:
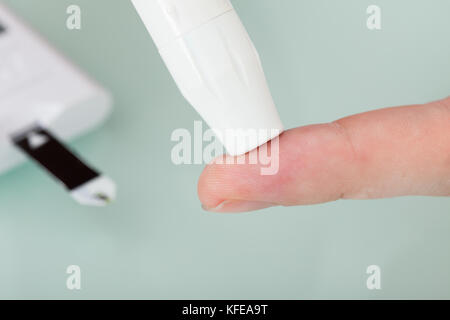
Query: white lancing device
x=216, y=67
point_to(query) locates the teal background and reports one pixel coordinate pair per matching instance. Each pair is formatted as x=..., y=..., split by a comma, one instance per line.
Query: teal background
x=322, y=63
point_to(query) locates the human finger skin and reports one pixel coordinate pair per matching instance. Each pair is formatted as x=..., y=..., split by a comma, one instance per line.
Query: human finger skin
x=383, y=153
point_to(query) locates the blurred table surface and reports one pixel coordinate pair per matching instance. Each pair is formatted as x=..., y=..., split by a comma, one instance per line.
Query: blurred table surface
x=155, y=241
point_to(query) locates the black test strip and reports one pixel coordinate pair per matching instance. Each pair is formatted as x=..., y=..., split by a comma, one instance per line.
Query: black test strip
x=44, y=148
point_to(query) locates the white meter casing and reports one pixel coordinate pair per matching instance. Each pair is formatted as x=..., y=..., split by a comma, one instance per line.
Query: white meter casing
x=38, y=85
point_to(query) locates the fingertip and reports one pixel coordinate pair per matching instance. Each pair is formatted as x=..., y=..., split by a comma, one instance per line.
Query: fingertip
x=238, y=206
x=303, y=167
x=247, y=182
x=208, y=187
x=227, y=178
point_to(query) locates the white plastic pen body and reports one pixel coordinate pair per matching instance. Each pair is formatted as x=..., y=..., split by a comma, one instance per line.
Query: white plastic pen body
x=216, y=67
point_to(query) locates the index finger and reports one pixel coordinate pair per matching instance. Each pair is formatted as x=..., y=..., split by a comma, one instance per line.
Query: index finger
x=384, y=153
